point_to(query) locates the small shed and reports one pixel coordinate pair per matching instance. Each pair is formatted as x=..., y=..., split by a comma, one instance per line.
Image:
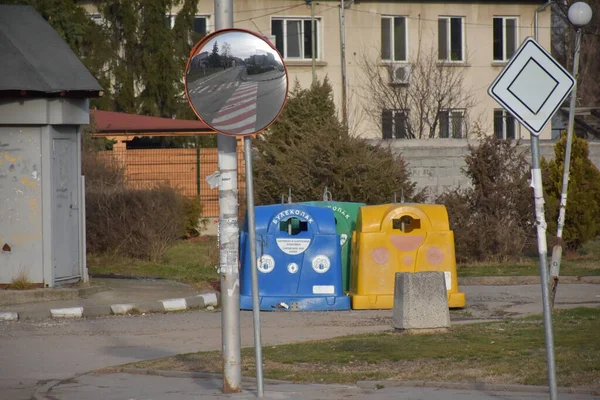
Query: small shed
x=44, y=101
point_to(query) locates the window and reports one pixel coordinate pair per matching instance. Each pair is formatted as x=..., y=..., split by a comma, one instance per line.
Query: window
x=394, y=124
x=451, y=124
x=505, y=37
x=393, y=38
x=293, y=37
x=199, y=26
x=97, y=18
x=505, y=125
x=450, y=39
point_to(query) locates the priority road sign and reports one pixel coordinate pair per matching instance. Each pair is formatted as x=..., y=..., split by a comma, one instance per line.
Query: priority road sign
x=532, y=86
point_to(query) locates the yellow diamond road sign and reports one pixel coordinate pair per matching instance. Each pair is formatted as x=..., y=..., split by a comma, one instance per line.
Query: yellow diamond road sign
x=532, y=86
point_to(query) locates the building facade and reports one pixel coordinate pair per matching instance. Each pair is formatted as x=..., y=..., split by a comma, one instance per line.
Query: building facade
x=413, y=69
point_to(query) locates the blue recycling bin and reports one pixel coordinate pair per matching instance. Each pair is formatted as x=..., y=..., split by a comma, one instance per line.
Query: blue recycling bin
x=298, y=260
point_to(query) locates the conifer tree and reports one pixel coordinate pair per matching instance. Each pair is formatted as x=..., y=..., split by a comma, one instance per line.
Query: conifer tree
x=307, y=149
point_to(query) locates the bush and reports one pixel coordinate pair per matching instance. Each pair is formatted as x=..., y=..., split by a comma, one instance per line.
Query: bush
x=307, y=149
x=493, y=219
x=134, y=223
x=194, y=222
x=582, y=221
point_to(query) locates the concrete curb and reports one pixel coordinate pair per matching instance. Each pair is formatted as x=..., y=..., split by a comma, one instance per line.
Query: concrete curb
x=522, y=280
x=369, y=385
x=180, y=304
x=12, y=297
x=491, y=387
x=41, y=392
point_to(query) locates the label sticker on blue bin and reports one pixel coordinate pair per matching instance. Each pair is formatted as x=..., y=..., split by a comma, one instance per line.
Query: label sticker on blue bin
x=321, y=264
x=265, y=263
x=293, y=246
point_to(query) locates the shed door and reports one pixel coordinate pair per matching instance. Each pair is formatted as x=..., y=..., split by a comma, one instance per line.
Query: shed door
x=65, y=216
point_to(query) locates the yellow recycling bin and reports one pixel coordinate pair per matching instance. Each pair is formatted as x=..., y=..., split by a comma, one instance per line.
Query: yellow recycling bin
x=393, y=238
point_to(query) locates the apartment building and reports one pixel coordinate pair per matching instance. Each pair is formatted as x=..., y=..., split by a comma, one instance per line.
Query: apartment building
x=460, y=43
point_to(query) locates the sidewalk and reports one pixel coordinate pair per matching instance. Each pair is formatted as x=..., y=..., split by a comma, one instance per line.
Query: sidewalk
x=105, y=297
x=111, y=296
x=168, y=385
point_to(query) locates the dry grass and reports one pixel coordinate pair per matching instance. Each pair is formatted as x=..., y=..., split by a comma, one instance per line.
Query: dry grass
x=21, y=281
x=507, y=352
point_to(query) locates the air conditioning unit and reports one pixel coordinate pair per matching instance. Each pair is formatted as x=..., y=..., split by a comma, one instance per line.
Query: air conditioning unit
x=400, y=74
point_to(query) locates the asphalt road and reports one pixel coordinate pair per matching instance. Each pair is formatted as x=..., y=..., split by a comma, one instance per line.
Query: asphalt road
x=31, y=351
x=234, y=102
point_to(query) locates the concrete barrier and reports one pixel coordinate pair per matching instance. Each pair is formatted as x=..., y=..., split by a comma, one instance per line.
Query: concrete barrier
x=420, y=301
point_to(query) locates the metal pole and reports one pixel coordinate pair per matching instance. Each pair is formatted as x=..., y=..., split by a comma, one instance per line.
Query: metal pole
x=313, y=42
x=197, y=166
x=252, y=240
x=228, y=239
x=557, y=250
x=343, y=51
x=538, y=194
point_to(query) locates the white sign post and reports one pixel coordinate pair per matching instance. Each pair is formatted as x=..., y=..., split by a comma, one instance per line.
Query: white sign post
x=532, y=86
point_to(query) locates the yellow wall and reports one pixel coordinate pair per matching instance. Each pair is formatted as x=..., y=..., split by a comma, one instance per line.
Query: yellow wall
x=363, y=36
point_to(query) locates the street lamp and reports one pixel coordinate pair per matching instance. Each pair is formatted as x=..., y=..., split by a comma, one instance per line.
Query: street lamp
x=580, y=14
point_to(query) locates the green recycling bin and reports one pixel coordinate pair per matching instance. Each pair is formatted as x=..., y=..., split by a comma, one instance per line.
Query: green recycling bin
x=345, y=222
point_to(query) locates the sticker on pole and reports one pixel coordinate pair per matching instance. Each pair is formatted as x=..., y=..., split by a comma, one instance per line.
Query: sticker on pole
x=532, y=86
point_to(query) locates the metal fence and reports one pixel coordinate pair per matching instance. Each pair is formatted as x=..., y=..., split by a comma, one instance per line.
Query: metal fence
x=182, y=169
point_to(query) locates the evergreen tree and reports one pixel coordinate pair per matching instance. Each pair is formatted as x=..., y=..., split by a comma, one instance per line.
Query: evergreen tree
x=148, y=57
x=87, y=39
x=135, y=55
x=307, y=149
x=582, y=221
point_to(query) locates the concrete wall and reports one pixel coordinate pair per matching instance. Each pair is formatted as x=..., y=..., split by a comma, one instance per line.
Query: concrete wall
x=20, y=204
x=436, y=164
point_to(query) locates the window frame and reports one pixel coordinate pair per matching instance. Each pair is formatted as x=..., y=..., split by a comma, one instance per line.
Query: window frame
x=301, y=19
x=448, y=33
x=97, y=18
x=504, y=18
x=391, y=38
x=393, y=134
x=206, y=17
x=450, y=125
x=505, y=117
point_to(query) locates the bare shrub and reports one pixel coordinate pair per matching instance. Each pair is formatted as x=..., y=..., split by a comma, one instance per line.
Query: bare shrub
x=135, y=223
x=492, y=220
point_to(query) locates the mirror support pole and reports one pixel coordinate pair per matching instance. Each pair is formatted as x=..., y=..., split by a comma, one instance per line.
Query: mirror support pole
x=253, y=260
x=228, y=239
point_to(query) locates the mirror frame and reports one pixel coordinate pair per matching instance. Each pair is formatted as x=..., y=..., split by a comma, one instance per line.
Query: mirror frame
x=204, y=41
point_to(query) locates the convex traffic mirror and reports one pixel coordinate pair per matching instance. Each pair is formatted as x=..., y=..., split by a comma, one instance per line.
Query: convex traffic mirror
x=236, y=82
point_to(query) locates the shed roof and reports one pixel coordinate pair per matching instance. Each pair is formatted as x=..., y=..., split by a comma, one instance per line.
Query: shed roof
x=116, y=123
x=36, y=59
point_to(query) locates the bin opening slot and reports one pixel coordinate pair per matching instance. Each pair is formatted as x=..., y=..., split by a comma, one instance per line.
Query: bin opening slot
x=406, y=224
x=293, y=226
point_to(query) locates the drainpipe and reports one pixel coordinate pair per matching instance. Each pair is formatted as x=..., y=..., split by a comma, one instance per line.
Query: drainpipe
x=535, y=20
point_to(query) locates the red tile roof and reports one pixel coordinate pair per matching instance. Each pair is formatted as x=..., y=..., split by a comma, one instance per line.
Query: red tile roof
x=109, y=121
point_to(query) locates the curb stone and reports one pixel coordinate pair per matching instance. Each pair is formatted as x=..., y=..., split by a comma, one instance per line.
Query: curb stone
x=212, y=299
x=492, y=387
x=40, y=393
x=179, y=304
x=369, y=385
x=8, y=316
